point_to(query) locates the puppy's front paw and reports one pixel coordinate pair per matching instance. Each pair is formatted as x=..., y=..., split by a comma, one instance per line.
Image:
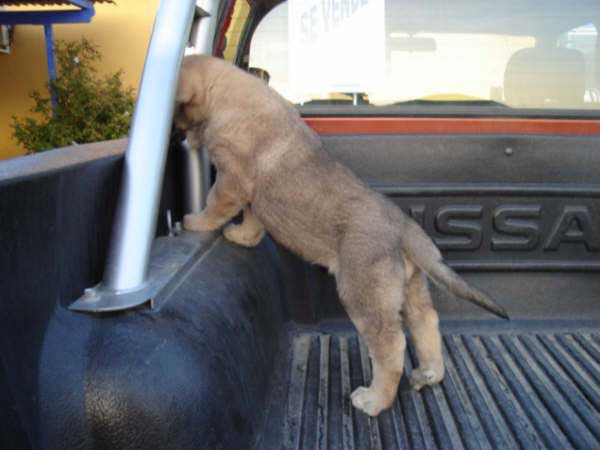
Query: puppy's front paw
x=198, y=222
x=240, y=235
x=368, y=401
x=424, y=377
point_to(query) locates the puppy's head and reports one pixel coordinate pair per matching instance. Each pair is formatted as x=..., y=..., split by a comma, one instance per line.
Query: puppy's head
x=191, y=94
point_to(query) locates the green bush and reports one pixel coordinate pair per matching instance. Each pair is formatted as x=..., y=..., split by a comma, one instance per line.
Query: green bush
x=89, y=107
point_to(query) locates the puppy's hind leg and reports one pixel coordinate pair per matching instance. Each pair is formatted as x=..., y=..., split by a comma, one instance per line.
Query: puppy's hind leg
x=248, y=233
x=387, y=356
x=373, y=303
x=222, y=204
x=423, y=324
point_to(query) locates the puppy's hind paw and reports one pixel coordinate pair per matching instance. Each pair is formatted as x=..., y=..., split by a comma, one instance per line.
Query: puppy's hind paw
x=424, y=377
x=367, y=401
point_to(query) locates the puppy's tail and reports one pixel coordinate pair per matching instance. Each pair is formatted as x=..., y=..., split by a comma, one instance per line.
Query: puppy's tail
x=424, y=254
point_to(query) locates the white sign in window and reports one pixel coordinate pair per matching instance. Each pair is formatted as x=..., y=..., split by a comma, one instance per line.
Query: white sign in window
x=335, y=46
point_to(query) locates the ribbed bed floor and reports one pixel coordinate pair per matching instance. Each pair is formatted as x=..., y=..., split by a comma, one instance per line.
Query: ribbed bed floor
x=500, y=392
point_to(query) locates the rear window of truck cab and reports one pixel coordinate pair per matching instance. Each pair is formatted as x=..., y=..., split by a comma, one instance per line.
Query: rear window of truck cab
x=504, y=56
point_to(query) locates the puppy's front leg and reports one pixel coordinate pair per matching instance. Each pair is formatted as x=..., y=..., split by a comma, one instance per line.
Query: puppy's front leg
x=223, y=203
x=248, y=233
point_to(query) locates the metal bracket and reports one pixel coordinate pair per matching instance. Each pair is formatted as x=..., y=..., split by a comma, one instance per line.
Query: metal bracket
x=170, y=260
x=101, y=299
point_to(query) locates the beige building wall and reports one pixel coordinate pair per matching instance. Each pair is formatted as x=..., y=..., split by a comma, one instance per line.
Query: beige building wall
x=121, y=30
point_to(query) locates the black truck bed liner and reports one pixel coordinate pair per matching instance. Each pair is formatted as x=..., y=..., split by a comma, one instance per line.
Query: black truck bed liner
x=251, y=349
x=502, y=390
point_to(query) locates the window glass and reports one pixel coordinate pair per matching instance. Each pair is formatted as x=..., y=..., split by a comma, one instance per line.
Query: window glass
x=509, y=54
x=583, y=39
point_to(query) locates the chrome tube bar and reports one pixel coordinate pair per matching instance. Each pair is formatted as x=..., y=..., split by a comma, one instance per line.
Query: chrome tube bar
x=193, y=188
x=204, y=40
x=196, y=167
x=124, y=284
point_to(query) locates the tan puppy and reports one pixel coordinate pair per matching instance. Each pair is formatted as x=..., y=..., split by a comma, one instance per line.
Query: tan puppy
x=271, y=165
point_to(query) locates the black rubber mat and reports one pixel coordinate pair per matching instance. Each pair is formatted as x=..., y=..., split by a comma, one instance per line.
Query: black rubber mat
x=529, y=391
